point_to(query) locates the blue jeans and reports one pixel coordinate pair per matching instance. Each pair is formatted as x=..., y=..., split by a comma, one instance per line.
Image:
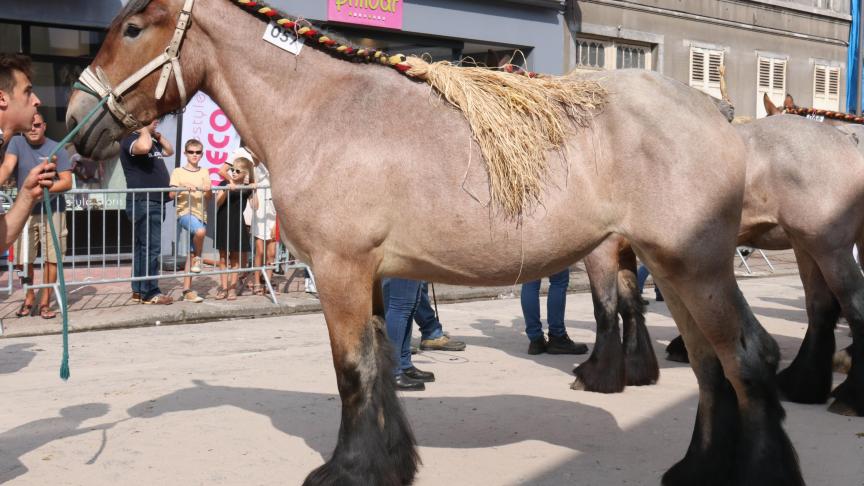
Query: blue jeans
x=192, y=225
x=424, y=316
x=146, y=217
x=555, y=304
x=400, y=301
x=641, y=276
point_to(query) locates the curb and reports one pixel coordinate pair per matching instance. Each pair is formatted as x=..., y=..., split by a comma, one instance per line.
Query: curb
x=294, y=306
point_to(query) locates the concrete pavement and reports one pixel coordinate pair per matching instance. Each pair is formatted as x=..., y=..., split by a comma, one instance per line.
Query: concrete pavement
x=255, y=402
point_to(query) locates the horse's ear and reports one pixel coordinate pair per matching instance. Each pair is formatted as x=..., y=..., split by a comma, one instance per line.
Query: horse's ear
x=770, y=108
x=789, y=103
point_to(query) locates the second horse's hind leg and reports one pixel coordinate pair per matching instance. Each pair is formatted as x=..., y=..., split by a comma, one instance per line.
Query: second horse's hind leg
x=808, y=378
x=603, y=372
x=640, y=361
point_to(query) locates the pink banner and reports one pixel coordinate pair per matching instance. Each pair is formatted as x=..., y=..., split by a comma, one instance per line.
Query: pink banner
x=378, y=13
x=205, y=121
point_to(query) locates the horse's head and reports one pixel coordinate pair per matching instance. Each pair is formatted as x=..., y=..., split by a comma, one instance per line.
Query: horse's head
x=138, y=68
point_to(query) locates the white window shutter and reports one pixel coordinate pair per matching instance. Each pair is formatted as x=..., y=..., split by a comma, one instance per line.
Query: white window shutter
x=771, y=80
x=705, y=70
x=826, y=88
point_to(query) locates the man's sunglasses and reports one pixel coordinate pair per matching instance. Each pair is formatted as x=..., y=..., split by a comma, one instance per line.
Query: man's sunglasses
x=234, y=171
x=194, y=152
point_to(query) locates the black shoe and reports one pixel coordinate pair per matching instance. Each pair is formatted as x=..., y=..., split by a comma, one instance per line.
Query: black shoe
x=404, y=383
x=537, y=346
x=419, y=375
x=659, y=297
x=565, y=345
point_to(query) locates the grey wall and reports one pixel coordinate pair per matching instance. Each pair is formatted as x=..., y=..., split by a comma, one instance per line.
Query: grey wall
x=716, y=24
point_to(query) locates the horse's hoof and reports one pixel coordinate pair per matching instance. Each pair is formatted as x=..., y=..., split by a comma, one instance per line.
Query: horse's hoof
x=577, y=385
x=842, y=361
x=842, y=408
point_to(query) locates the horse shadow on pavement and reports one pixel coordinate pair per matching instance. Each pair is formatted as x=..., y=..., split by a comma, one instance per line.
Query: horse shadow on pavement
x=443, y=422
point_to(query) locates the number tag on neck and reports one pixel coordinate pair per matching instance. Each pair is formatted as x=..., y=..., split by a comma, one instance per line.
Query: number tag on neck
x=283, y=38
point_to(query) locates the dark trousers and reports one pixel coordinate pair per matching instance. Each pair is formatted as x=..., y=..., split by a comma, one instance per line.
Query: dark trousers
x=146, y=216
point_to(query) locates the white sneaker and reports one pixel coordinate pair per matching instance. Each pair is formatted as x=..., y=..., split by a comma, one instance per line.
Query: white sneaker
x=310, y=286
x=196, y=265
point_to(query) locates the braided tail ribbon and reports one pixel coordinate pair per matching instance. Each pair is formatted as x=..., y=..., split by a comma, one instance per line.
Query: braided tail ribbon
x=46, y=196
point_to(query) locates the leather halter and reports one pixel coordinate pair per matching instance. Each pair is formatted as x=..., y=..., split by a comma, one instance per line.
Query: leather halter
x=169, y=61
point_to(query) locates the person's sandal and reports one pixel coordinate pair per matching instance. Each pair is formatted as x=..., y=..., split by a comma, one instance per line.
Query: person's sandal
x=45, y=312
x=221, y=294
x=232, y=294
x=25, y=310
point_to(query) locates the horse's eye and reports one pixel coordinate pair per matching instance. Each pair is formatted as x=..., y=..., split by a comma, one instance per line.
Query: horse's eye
x=132, y=31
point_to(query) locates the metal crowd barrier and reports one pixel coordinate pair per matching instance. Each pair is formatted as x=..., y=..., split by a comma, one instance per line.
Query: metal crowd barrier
x=89, y=224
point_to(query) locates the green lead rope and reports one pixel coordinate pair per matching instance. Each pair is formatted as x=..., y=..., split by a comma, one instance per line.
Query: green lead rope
x=46, y=197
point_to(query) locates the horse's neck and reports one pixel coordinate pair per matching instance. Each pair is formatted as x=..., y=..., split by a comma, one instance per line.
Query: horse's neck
x=268, y=93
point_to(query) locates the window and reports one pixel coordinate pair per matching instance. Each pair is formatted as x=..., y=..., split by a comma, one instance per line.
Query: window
x=826, y=87
x=593, y=54
x=590, y=54
x=632, y=57
x=771, y=80
x=705, y=70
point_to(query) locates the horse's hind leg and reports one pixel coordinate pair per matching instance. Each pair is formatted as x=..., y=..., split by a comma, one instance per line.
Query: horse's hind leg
x=808, y=378
x=710, y=457
x=739, y=439
x=603, y=372
x=847, y=283
x=376, y=445
x=640, y=361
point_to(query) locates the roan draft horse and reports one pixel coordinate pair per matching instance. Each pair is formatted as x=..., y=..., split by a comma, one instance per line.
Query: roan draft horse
x=380, y=171
x=805, y=191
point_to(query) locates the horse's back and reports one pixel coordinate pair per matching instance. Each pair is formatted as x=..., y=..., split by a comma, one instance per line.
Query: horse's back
x=806, y=175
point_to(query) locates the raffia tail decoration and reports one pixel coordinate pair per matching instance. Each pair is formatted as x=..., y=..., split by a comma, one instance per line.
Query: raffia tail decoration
x=516, y=119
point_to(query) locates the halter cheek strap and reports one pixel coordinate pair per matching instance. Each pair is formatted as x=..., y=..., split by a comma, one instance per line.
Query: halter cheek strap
x=169, y=61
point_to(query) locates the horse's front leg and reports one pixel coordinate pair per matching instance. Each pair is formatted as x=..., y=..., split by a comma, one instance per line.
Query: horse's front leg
x=847, y=285
x=808, y=379
x=376, y=445
x=604, y=371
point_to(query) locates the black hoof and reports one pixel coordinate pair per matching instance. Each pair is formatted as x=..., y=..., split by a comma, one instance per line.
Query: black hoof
x=685, y=474
x=846, y=401
x=599, y=379
x=677, y=351
x=804, y=385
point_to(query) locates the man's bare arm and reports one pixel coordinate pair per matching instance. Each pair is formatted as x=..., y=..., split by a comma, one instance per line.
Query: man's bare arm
x=10, y=161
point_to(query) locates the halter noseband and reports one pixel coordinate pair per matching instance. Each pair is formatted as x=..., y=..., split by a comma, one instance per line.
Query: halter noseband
x=169, y=61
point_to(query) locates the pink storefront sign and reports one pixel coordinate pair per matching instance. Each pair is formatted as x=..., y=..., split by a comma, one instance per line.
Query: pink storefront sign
x=378, y=13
